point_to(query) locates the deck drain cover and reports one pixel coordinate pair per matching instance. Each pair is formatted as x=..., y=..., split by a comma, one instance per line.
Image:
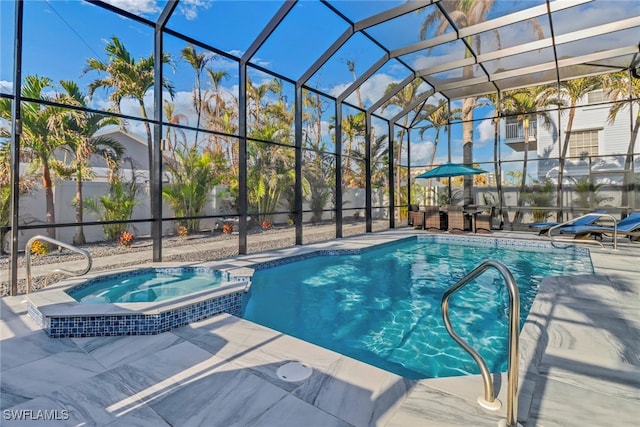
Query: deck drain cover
x=294, y=371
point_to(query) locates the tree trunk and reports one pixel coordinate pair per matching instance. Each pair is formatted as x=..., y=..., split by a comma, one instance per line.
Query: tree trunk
x=79, y=238
x=48, y=191
x=498, y=171
x=628, y=164
x=563, y=155
x=523, y=182
x=467, y=148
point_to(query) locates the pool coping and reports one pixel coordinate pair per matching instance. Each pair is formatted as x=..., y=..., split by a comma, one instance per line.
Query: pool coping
x=62, y=316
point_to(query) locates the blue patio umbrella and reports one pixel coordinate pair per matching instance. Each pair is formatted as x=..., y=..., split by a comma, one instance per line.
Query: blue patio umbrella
x=449, y=170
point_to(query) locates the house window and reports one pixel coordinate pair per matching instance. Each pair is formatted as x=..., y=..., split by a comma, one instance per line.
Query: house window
x=583, y=143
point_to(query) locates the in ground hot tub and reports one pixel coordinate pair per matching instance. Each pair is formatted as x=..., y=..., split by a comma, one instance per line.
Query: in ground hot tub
x=138, y=301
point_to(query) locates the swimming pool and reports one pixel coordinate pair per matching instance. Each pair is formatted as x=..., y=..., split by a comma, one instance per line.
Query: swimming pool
x=382, y=306
x=147, y=285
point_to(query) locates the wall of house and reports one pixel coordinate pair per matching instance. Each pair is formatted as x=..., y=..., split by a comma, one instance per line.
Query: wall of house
x=613, y=138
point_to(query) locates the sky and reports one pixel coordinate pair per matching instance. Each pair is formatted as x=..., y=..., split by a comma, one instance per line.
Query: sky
x=60, y=35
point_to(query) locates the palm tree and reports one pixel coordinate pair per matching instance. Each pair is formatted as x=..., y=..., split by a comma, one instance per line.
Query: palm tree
x=620, y=86
x=352, y=127
x=25, y=184
x=403, y=98
x=466, y=13
x=527, y=105
x=317, y=170
x=80, y=141
x=219, y=115
x=351, y=66
x=199, y=63
x=439, y=117
x=570, y=92
x=127, y=78
x=40, y=135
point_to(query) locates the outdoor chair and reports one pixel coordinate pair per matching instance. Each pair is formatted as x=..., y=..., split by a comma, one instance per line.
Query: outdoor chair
x=412, y=209
x=432, y=218
x=456, y=219
x=484, y=221
x=543, y=227
x=417, y=219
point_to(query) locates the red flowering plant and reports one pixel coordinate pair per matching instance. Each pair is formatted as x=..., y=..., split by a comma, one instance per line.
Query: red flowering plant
x=227, y=228
x=125, y=239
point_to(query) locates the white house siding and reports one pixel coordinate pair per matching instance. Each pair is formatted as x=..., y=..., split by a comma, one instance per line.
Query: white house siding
x=613, y=139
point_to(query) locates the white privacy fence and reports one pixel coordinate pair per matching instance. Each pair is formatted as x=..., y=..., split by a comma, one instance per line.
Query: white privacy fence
x=33, y=210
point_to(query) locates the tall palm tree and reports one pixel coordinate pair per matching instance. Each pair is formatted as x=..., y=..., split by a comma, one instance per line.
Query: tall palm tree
x=620, y=86
x=319, y=172
x=40, y=135
x=127, y=78
x=569, y=92
x=353, y=126
x=439, y=117
x=402, y=99
x=198, y=62
x=25, y=184
x=80, y=129
x=351, y=66
x=465, y=13
x=527, y=105
x=218, y=115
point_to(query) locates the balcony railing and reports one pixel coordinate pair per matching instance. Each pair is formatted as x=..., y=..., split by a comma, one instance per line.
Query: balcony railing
x=516, y=131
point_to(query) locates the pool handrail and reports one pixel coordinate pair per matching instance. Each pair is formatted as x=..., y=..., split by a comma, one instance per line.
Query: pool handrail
x=488, y=401
x=598, y=214
x=27, y=259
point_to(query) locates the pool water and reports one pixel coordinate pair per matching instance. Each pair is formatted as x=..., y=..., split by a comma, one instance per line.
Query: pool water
x=147, y=285
x=383, y=306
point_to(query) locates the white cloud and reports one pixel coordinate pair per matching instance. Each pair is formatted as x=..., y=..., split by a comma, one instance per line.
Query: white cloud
x=421, y=152
x=138, y=7
x=6, y=86
x=189, y=8
x=485, y=131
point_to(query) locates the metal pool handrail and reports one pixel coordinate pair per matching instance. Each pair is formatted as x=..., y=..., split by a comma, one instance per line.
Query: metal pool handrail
x=615, y=229
x=489, y=401
x=27, y=259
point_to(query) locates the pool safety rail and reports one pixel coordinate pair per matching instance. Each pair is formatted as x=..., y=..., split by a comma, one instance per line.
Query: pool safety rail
x=27, y=258
x=590, y=214
x=488, y=401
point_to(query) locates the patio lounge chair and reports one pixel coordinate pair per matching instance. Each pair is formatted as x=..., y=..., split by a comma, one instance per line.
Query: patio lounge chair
x=543, y=227
x=627, y=227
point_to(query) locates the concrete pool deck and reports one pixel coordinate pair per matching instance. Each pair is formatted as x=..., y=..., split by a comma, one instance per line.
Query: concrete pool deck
x=579, y=366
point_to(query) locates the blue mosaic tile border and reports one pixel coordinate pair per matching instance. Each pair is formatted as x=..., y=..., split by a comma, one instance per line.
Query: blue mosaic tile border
x=136, y=324
x=326, y=252
x=460, y=240
x=502, y=243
